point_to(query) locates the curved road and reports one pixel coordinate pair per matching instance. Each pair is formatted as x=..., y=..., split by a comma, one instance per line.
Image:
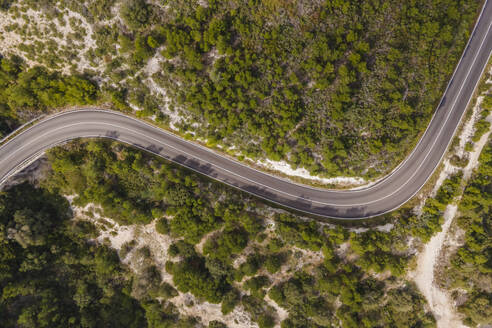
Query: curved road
x=386, y=195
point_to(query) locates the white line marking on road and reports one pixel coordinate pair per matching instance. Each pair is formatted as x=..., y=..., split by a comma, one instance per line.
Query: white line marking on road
x=271, y=188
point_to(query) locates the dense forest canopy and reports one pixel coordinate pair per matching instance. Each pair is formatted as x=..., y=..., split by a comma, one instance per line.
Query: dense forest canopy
x=470, y=267
x=134, y=187
x=27, y=92
x=340, y=87
x=337, y=87
x=50, y=276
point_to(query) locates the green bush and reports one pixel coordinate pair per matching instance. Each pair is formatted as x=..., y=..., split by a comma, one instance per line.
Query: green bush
x=162, y=226
x=137, y=14
x=216, y=324
x=229, y=301
x=50, y=275
x=296, y=84
x=191, y=275
x=273, y=262
x=471, y=265
x=37, y=90
x=225, y=244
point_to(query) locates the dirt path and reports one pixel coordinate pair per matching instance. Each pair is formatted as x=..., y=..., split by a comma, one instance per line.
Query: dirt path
x=439, y=301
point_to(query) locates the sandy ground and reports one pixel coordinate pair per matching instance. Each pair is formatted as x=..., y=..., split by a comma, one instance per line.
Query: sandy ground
x=358, y=182
x=475, y=154
x=189, y=305
x=468, y=128
x=282, y=314
x=110, y=232
x=12, y=39
x=285, y=168
x=384, y=228
x=440, y=302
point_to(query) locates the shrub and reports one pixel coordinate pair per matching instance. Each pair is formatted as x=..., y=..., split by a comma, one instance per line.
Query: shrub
x=162, y=226
x=136, y=14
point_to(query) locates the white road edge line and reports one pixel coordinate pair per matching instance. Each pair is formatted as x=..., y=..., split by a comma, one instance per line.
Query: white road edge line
x=296, y=196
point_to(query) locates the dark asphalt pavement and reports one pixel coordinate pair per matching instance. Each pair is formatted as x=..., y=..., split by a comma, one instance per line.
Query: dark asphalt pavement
x=388, y=194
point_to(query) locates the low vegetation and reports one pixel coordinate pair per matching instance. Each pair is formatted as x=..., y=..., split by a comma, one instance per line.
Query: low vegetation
x=469, y=273
x=241, y=258
x=336, y=87
x=332, y=86
x=26, y=93
x=50, y=276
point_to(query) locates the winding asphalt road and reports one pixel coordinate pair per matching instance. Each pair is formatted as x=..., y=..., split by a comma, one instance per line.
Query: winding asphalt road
x=388, y=194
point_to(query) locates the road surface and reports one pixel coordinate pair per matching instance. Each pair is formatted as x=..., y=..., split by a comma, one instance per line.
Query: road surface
x=388, y=194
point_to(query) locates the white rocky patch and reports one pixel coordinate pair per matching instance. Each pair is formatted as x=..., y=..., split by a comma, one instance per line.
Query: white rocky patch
x=439, y=300
x=146, y=235
x=282, y=313
x=475, y=154
x=153, y=66
x=384, y=228
x=11, y=40
x=189, y=305
x=285, y=168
